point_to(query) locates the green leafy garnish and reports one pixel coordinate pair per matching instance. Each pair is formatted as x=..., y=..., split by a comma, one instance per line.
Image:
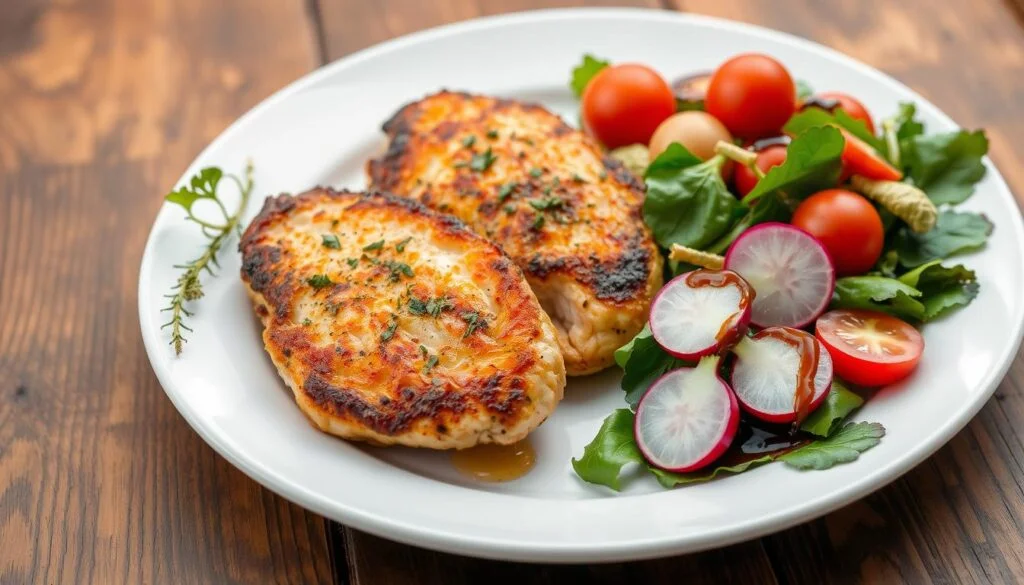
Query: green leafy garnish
x=469, y=141
x=319, y=281
x=482, y=161
x=946, y=166
x=546, y=203
x=813, y=117
x=803, y=90
x=878, y=293
x=400, y=246
x=505, y=191
x=642, y=361
x=397, y=269
x=942, y=288
x=331, y=241
x=431, y=362
x=536, y=172
x=538, y=222
x=687, y=202
x=307, y=322
x=352, y=262
x=584, y=72
x=669, y=479
x=389, y=331
x=838, y=405
x=844, y=446
x=432, y=307
x=769, y=207
x=813, y=162
x=473, y=322
x=379, y=244
x=954, y=233
x=188, y=287
x=492, y=134
x=612, y=448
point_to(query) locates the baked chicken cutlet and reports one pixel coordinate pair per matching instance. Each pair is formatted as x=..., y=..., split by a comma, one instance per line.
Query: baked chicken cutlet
x=568, y=215
x=394, y=324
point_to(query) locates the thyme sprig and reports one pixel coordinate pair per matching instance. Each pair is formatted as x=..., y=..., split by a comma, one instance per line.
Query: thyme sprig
x=188, y=288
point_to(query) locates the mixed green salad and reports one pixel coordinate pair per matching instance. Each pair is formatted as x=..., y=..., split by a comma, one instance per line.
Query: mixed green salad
x=805, y=247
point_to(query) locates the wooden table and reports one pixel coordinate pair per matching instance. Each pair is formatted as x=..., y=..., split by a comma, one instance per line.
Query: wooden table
x=102, y=105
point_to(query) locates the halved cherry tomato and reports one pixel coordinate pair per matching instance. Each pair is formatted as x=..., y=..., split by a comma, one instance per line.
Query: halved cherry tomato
x=847, y=225
x=745, y=179
x=869, y=348
x=623, y=104
x=851, y=106
x=860, y=159
x=752, y=94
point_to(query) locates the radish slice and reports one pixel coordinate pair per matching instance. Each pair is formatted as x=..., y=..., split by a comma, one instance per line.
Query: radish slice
x=790, y=271
x=781, y=375
x=700, y=312
x=687, y=418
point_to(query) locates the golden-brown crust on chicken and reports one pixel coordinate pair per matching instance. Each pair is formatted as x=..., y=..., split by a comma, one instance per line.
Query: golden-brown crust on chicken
x=568, y=215
x=397, y=325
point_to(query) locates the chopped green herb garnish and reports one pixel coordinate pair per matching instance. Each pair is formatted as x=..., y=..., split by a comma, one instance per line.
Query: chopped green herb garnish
x=307, y=321
x=374, y=246
x=423, y=350
x=547, y=203
x=578, y=179
x=331, y=241
x=473, y=322
x=492, y=134
x=398, y=269
x=469, y=141
x=400, y=246
x=603, y=174
x=538, y=222
x=319, y=281
x=431, y=362
x=432, y=307
x=390, y=331
x=352, y=262
x=506, y=190
x=335, y=222
x=509, y=209
x=483, y=160
x=536, y=172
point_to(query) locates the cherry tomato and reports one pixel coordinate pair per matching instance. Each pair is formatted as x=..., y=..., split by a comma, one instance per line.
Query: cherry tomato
x=697, y=131
x=745, y=179
x=847, y=225
x=623, y=104
x=851, y=106
x=860, y=159
x=752, y=94
x=869, y=348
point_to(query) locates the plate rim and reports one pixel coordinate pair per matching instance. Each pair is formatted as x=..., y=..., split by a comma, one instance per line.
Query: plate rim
x=503, y=549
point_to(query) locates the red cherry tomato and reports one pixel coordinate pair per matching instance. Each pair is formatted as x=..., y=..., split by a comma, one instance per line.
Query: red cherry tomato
x=624, y=104
x=847, y=225
x=752, y=94
x=745, y=179
x=869, y=348
x=860, y=159
x=851, y=106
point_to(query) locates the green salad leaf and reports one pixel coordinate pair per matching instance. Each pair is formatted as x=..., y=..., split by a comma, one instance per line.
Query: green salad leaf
x=803, y=90
x=584, y=72
x=669, y=479
x=942, y=288
x=946, y=166
x=687, y=202
x=642, y=361
x=844, y=446
x=812, y=164
x=767, y=208
x=878, y=293
x=954, y=233
x=612, y=449
x=816, y=117
x=906, y=127
x=840, y=402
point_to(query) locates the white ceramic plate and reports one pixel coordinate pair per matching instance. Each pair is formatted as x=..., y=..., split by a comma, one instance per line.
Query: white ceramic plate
x=322, y=128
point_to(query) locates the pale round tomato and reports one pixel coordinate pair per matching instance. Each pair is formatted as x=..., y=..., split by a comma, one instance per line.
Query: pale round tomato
x=697, y=131
x=624, y=104
x=869, y=348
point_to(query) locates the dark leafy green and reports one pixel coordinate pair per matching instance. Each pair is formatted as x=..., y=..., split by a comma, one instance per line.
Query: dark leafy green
x=942, y=288
x=906, y=128
x=669, y=479
x=642, y=361
x=840, y=402
x=584, y=72
x=812, y=164
x=612, y=449
x=687, y=202
x=954, y=233
x=769, y=207
x=947, y=165
x=878, y=293
x=844, y=446
x=815, y=117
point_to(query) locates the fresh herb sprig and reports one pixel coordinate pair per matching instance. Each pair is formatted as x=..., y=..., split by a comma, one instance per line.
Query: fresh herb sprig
x=188, y=288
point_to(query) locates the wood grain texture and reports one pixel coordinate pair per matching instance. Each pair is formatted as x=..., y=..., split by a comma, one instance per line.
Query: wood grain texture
x=101, y=481
x=957, y=517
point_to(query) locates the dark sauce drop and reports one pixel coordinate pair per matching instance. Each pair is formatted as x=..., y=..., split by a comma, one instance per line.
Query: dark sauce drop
x=808, y=348
x=755, y=439
x=728, y=334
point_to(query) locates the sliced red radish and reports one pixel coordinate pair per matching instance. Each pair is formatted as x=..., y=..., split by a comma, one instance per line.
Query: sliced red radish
x=687, y=418
x=790, y=271
x=781, y=374
x=701, y=312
